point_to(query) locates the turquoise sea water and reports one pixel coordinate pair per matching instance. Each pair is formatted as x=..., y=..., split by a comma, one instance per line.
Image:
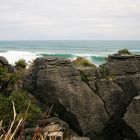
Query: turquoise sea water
x=95, y=51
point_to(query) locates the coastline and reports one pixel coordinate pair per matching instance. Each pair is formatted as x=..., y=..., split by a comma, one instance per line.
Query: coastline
x=93, y=50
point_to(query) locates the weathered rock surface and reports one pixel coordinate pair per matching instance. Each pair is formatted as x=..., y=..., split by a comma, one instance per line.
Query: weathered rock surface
x=118, y=85
x=132, y=116
x=57, y=82
x=120, y=82
x=51, y=128
x=112, y=95
x=88, y=75
x=91, y=100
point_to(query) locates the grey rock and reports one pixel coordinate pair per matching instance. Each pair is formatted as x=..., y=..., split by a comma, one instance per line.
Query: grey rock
x=91, y=100
x=118, y=57
x=119, y=82
x=127, y=65
x=118, y=85
x=57, y=82
x=113, y=96
x=88, y=75
x=3, y=61
x=132, y=116
x=49, y=128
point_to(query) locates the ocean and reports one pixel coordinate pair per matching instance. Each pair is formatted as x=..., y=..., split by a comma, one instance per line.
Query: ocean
x=95, y=51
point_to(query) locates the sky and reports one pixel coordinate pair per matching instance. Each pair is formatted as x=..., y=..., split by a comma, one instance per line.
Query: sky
x=69, y=19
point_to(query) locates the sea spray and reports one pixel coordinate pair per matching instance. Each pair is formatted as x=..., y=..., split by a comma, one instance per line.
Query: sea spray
x=14, y=56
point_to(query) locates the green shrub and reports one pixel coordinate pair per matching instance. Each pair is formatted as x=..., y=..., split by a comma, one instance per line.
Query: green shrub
x=4, y=75
x=21, y=63
x=5, y=109
x=2, y=70
x=124, y=51
x=16, y=76
x=10, y=80
x=22, y=102
x=81, y=61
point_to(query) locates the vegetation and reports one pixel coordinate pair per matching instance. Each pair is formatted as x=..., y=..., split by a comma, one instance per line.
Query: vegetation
x=4, y=76
x=11, y=132
x=21, y=63
x=17, y=131
x=124, y=51
x=81, y=61
x=17, y=110
x=10, y=80
x=22, y=102
x=11, y=90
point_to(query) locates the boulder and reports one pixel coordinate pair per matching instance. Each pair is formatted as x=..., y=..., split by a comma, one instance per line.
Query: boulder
x=91, y=100
x=3, y=61
x=56, y=82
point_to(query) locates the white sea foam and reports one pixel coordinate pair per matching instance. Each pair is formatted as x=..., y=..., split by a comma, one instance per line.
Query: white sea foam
x=13, y=56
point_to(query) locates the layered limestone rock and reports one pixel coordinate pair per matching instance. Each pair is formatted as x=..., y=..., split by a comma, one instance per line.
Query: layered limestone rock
x=91, y=100
x=117, y=66
x=89, y=76
x=118, y=84
x=57, y=82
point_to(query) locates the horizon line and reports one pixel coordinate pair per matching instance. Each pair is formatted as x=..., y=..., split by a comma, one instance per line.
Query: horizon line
x=72, y=40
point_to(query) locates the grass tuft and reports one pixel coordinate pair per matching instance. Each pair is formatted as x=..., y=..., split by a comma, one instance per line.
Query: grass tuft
x=21, y=63
x=124, y=52
x=81, y=61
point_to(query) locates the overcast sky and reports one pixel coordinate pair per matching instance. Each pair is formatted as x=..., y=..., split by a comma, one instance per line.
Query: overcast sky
x=69, y=19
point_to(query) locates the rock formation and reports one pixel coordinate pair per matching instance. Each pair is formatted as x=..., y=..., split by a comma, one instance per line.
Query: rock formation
x=101, y=103
x=57, y=82
x=118, y=84
x=91, y=100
